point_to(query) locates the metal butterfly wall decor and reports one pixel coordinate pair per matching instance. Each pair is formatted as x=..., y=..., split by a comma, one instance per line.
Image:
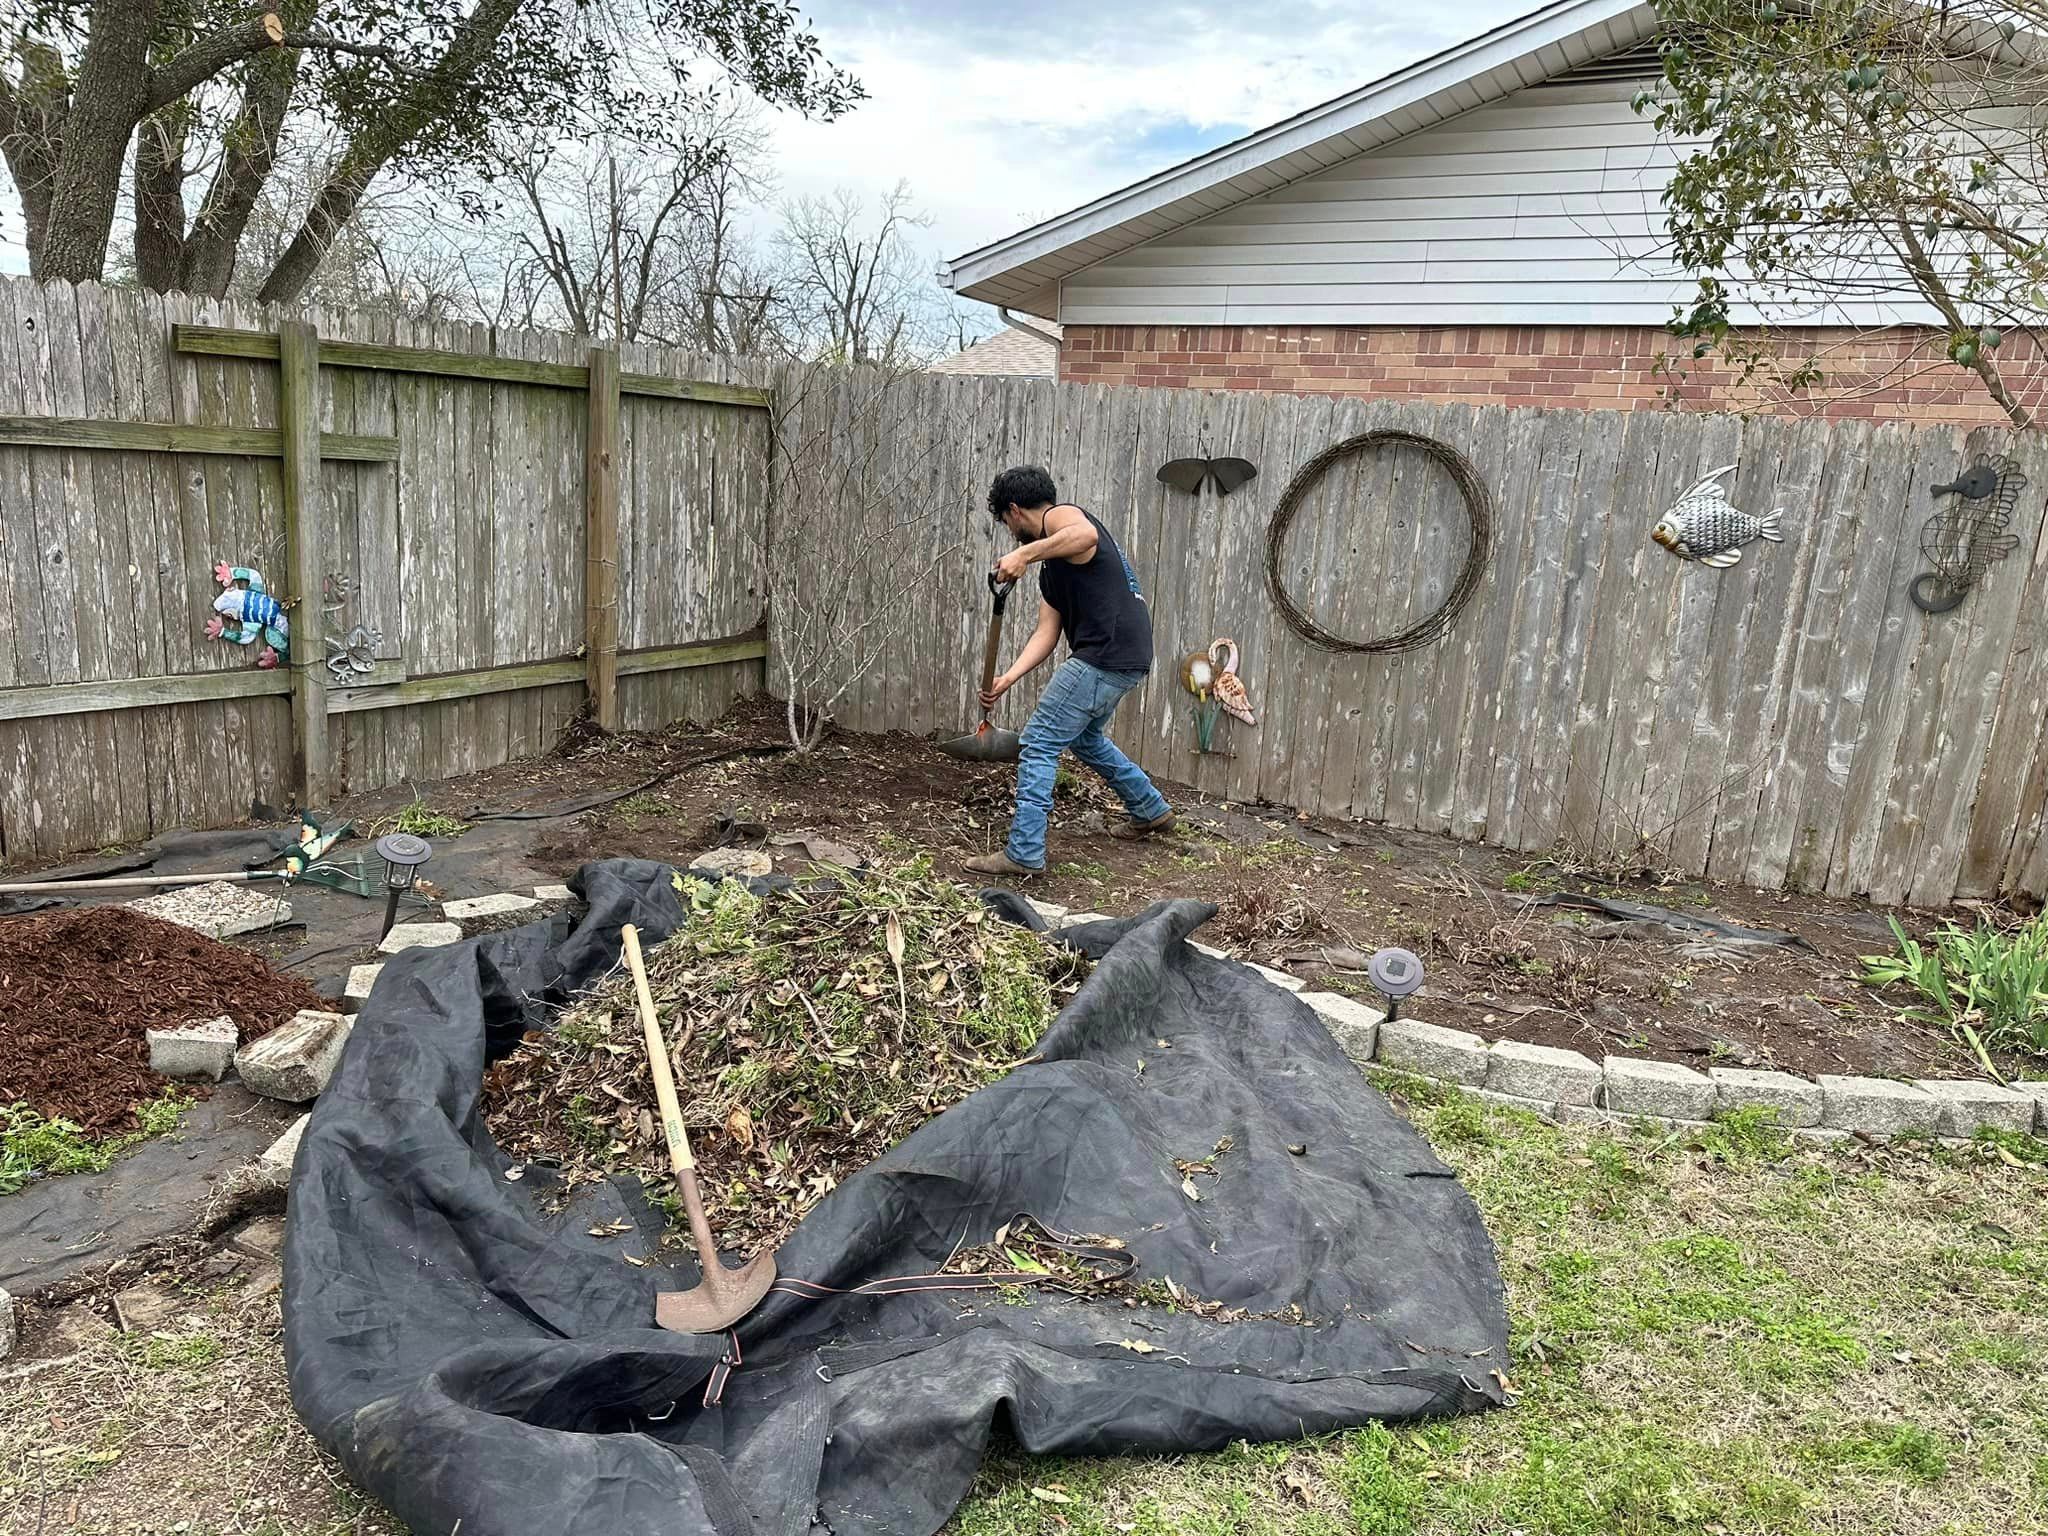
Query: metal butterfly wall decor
x=1188, y=474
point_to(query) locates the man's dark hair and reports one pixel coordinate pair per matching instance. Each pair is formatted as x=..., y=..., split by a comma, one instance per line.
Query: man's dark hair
x=1025, y=486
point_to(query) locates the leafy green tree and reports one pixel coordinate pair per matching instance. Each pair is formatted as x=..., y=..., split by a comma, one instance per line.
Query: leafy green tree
x=149, y=95
x=1852, y=150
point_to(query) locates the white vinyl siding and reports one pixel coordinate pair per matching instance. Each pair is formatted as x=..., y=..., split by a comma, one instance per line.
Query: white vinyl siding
x=1541, y=208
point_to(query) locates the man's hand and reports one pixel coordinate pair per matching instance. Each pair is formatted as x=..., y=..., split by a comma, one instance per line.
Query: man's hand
x=1013, y=565
x=996, y=690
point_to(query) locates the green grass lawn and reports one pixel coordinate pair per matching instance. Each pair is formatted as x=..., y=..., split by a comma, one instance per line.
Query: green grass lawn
x=1713, y=1337
x=1717, y=1334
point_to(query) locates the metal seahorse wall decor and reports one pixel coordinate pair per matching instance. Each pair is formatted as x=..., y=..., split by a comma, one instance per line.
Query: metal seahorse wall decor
x=1962, y=541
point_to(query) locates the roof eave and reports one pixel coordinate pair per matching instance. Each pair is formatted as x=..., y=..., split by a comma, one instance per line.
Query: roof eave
x=981, y=274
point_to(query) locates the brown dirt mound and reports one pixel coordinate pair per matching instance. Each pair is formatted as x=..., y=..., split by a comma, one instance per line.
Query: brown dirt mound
x=79, y=988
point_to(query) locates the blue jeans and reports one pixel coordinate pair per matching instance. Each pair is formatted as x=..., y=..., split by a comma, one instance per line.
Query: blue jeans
x=1072, y=711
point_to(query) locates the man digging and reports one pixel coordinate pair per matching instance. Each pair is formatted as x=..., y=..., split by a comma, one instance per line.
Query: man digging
x=1088, y=592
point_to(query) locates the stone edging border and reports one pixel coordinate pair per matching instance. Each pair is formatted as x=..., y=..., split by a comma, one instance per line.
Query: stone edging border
x=1570, y=1088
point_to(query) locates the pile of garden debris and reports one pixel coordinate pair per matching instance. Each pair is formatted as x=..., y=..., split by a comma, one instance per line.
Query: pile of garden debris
x=810, y=1029
x=80, y=988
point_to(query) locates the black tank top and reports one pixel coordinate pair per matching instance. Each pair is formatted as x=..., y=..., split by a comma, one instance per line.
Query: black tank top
x=1102, y=612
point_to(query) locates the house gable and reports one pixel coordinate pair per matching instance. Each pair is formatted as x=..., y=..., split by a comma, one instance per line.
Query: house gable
x=1544, y=208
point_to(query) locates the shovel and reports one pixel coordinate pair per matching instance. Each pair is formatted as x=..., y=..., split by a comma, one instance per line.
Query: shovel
x=986, y=744
x=723, y=1296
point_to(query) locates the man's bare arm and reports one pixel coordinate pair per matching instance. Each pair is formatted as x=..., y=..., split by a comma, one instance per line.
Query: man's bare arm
x=1044, y=639
x=1069, y=536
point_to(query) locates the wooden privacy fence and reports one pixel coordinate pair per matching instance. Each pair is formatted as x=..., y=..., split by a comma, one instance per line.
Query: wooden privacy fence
x=1794, y=721
x=531, y=525
x=526, y=523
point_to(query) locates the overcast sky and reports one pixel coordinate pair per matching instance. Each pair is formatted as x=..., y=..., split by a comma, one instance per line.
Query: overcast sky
x=1000, y=113
x=1004, y=112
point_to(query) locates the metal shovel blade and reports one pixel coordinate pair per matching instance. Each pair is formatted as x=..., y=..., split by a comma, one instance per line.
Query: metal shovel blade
x=723, y=1296
x=722, y=1299
x=985, y=744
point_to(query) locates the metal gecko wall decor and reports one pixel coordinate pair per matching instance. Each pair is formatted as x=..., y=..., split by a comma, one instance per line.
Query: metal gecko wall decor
x=351, y=654
x=245, y=612
x=1211, y=676
x=1962, y=541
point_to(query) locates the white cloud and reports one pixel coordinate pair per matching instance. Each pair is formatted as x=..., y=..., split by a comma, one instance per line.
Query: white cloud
x=1000, y=115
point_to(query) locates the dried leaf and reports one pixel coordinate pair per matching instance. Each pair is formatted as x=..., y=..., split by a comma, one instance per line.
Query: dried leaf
x=1051, y=1496
x=1187, y=1187
x=1137, y=1346
x=739, y=1125
x=1298, y=1483
x=1298, y=1148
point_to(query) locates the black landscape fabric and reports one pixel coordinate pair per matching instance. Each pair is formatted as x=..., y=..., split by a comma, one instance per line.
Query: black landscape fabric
x=481, y=1365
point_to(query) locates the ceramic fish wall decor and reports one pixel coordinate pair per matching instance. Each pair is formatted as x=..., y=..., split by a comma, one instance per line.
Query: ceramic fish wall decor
x=1704, y=525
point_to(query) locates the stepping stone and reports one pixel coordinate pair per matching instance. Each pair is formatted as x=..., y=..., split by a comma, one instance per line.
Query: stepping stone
x=486, y=906
x=404, y=936
x=294, y=1062
x=205, y=1049
x=1797, y=1101
x=220, y=910
x=2038, y=1092
x=1543, y=1073
x=145, y=1308
x=1659, y=1088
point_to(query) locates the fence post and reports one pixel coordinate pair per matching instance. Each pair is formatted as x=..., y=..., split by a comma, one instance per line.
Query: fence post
x=298, y=356
x=601, y=536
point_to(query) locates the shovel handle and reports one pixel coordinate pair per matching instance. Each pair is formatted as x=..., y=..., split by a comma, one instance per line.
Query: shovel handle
x=1000, y=591
x=657, y=1061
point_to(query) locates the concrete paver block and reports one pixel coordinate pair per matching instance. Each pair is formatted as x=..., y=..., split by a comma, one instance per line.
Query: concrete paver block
x=1966, y=1106
x=219, y=910
x=737, y=863
x=1278, y=978
x=1210, y=950
x=1542, y=1072
x=294, y=1061
x=1660, y=1088
x=1409, y=1045
x=486, y=906
x=274, y=1167
x=1543, y=1109
x=1053, y=913
x=147, y=1308
x=1797, y=1101
x=404, y=936
x=2038, y=1092
x=201, y=1049
x=1878, y=1106
x=553, y=893
x=1076, y=919
x=10, y=1326
x=1355, y=1027
x=361, y=978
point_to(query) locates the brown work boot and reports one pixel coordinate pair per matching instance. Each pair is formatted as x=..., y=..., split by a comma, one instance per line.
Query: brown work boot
x=1000, y=863
x=1130, y=828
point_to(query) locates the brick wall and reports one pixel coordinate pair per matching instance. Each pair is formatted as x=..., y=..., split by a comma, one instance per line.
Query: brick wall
x=1889, y=375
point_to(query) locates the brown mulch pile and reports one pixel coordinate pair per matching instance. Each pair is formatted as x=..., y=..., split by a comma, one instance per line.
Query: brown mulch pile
x=78, y=989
